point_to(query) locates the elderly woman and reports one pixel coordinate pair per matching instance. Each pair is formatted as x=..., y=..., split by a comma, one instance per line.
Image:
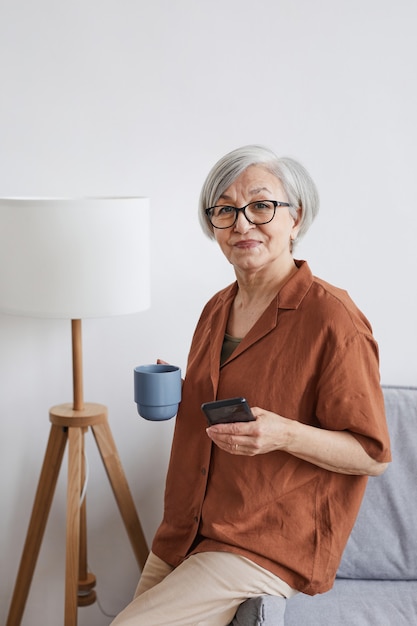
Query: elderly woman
x=264, y=507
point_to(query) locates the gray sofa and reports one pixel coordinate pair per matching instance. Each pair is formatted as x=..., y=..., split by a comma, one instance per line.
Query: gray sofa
x=376, y=584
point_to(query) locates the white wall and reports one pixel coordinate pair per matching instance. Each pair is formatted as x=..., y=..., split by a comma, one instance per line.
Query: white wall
x=138, y=97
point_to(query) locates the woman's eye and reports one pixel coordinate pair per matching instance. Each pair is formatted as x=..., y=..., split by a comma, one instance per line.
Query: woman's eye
x=225, y=210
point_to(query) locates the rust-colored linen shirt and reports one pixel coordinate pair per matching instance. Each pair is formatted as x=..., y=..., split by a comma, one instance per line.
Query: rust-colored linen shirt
x=311, y=357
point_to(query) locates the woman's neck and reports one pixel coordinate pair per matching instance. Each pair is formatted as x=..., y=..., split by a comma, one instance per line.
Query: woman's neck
x=260, y=287
x=255, y=293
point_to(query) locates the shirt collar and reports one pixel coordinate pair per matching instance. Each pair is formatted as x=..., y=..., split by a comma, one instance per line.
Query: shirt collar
x=295, y=289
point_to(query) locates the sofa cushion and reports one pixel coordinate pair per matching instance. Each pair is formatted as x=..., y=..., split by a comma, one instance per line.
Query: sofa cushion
x=354, y=603
x=383, y=542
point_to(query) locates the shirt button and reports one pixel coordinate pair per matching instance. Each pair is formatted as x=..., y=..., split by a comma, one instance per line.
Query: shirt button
x=196, y=519
x=203, y=471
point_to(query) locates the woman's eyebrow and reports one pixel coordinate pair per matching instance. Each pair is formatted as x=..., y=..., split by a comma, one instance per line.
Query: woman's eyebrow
x=252, y=192
x=258, y=190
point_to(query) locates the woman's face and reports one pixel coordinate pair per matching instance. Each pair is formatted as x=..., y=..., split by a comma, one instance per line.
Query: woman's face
x=251, y=248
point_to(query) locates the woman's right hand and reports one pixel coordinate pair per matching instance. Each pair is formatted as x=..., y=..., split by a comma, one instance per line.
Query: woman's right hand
x=161, y=362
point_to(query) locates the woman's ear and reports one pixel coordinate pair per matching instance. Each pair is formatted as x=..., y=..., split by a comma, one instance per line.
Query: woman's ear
x=297, y=223
x=295, y=228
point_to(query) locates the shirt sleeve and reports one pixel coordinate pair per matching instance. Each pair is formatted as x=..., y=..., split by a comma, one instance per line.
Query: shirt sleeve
x=350, y=396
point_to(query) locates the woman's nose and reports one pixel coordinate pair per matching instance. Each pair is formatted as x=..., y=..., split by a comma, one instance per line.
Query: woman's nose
x=242, y=225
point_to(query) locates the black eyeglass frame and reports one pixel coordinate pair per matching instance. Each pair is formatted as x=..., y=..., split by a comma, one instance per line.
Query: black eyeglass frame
x=276, y=204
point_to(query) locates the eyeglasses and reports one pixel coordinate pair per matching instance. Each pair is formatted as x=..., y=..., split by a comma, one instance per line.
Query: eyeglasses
x=257, y=212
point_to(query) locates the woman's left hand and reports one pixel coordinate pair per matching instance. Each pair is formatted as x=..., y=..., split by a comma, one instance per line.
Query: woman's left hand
x=267, y=433
x=336, y=451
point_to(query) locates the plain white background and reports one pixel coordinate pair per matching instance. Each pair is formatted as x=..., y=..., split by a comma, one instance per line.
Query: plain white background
x=131, y=97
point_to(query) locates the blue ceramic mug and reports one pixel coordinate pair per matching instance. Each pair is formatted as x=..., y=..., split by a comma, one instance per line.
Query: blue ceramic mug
x=157, y=391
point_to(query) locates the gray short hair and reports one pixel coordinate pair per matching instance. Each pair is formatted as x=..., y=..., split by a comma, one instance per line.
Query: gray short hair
x=298, y=185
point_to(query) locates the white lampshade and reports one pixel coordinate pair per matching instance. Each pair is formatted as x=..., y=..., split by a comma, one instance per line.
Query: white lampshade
x=74, y=258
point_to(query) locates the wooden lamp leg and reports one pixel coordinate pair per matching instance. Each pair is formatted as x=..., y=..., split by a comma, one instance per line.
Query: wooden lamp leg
x=73, y=525
x=86, y=579
x=40, y=511
x=121, y=491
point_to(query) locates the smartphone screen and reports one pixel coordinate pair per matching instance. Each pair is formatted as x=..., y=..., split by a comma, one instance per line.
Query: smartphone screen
x=226, y=411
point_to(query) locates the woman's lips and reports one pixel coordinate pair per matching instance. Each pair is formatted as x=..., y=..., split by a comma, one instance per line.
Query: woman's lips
x=246, y=244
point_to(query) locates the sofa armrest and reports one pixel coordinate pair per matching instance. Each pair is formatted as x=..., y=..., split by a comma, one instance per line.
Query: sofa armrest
x=264, y=610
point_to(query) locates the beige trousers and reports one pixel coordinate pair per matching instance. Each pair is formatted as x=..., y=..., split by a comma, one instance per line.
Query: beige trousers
x=205, y=590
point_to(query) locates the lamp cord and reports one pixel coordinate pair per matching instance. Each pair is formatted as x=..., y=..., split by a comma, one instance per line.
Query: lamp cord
x=102, y=609
x=87, y=475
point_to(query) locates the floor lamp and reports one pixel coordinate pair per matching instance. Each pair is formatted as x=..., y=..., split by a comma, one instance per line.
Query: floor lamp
x=73, y=259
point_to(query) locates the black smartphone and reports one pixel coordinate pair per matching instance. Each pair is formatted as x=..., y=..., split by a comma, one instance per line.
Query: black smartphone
x=226, y=411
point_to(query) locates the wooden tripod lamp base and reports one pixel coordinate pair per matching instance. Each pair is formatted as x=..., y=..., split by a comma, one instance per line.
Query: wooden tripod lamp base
x=68, y=425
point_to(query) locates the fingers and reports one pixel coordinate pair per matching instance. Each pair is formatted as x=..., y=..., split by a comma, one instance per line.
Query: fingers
x=246, y=438
x=232, y=428
x=229, y=438
x=232, y=447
